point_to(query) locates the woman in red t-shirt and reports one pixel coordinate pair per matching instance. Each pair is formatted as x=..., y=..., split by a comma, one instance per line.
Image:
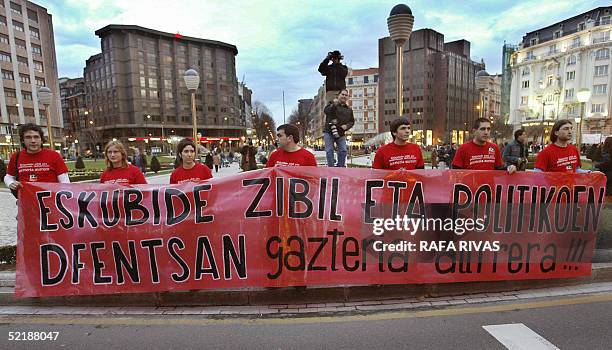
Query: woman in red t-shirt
x=187, y=170
x=118, y=171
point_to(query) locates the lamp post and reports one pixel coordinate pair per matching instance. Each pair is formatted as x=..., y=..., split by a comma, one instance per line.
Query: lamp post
x=45, y=95
x=482, y=83
x=583, y=95
x=400, y=22
x=192, y=81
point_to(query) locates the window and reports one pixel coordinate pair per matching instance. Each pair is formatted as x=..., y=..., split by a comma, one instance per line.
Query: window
x=21, y=44
x=4, y=56
x=581, y=26
x=36, y=49
x=10, y=92
x=557, y=34
x=604, y=20
x=601, y=71
x=7, y=75
x=375, y=78
x=533, y=41
x=34, y=33
x=602, y=54
x=24, y=78
x=601, y=37
x=32, y=15
x=366, y=79
x=600, y=89
x=571, y=60
x=570, y=75
x=2, y=20
x=4, y=39
x=530, y=56
x=40, y=81
x=350, y=81
x=18, y=26
x=526, y=71
x=595, y=107
x=38, y=66
x=15, y=8
x=524, y=100
x=22, y=61
x=26, y=95
x=575, y=43
x=569, y=94
x=552, y=49
x=525, y=84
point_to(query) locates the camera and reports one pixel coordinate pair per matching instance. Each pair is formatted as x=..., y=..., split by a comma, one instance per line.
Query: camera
x=334, y=130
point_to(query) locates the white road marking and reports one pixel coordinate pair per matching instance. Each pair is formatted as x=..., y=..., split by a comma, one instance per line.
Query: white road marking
x=517, y=336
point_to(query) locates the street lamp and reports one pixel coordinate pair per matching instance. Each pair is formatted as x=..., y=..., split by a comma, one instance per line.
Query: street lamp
x=45, y=95
x=192, y=81
x=400, y=22
x=583, y=95
x=482, y=83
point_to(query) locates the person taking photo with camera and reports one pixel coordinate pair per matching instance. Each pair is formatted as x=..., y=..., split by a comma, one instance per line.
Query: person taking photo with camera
x=334, y=73
x=338, y=120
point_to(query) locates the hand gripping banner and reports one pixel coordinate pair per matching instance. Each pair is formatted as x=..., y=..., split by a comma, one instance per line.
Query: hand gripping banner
x=303, y=226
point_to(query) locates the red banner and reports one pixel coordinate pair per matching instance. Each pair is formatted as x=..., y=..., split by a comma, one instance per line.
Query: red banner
x=299, y=226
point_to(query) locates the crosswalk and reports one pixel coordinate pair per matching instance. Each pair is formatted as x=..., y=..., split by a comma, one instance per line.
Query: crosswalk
x=517, y=336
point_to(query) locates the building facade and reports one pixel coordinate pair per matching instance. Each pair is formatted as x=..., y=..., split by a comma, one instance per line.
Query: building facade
x=317, y=117
x=552, y=64
x=72, y=94
x=135, y=89
x=27, y=61
x=363, y=91
x=506, y=80
x=440, y=96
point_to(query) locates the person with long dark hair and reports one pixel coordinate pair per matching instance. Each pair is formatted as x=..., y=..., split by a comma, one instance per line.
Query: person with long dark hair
x=560, y=155
x=186, y=168
x=118, y=170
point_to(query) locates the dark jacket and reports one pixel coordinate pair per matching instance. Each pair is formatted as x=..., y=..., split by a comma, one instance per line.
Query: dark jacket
x=605, y=166
x=339, y=115
x=335, y=75
x=513, y=153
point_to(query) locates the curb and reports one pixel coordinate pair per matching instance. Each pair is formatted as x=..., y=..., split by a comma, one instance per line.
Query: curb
x=292, y=295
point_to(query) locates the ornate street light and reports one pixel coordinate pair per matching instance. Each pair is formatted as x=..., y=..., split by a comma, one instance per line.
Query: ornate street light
x=44, y=96
x=192, y=81
x=583, y=95
x=400, y=22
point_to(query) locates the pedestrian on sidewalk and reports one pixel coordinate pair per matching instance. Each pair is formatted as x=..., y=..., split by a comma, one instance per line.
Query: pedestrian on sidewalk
x=216, y=160
x=34, y=163
x=186, y=168
x=118, y=170
x=605, y=166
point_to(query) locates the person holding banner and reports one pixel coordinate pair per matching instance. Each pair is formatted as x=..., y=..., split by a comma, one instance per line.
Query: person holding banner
x=186, y=168
x=34, y=163
x=399, y=154
x=560, y=155
x=480, y=154
x=118, y=170
x=288, y=152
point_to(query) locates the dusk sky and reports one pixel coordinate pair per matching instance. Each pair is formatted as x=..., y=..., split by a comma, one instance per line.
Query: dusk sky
x=280, y=43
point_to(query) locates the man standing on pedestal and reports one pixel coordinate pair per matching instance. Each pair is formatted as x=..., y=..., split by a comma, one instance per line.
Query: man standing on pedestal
x=338, y=119
x=335, y=75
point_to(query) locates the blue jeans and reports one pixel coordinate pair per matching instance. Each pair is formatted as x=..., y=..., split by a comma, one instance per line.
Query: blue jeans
x=329, y=150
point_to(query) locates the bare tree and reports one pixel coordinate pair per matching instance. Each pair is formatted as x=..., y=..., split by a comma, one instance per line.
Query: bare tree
x=263, y=122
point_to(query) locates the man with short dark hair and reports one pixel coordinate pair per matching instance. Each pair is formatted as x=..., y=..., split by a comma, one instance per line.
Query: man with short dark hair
x=288, y=152
x=399, y=154
x=516, y=152
x=338, y=120
x=480, y=154
x=34, y=163
x=560, y=155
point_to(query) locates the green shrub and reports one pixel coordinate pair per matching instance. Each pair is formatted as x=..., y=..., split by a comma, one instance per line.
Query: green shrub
x=155, y=166
x=79, y=163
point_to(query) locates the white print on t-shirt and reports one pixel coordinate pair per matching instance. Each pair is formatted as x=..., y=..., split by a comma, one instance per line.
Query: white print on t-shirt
x=34, y=168
x=483, y=158
x=567, y=162
x=402, y=159
x=281, y=163
x=193, y=179
x=118, y=181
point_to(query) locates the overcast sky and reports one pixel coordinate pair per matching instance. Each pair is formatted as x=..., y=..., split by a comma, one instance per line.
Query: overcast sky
x=280, y=43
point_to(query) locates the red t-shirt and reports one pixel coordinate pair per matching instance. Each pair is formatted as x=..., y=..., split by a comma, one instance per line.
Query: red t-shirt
x=393, y=156
x=198, y=173
x=301, y=157
x=44, y=166
x=474, y=157
x=129, y=175
x=558, y=159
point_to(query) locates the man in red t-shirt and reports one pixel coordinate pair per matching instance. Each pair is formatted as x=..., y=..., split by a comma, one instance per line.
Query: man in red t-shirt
x=399, y=154
x=288, y=152
x=35, y=164
x=560, y=155
x=480, y=154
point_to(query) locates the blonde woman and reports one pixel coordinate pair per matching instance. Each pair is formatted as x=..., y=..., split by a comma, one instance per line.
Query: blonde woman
x=118, y=171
